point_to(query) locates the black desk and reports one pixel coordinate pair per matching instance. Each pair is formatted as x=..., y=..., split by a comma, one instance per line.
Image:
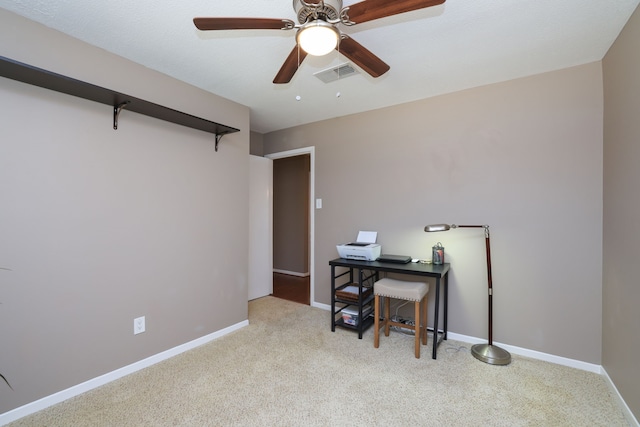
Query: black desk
x=368, y=271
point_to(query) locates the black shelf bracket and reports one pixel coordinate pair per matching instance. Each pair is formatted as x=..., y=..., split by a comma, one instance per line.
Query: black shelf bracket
x=218, y=138
x=116, y=113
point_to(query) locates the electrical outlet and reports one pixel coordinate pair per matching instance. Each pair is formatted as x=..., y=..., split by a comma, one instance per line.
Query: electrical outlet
x=138, y=325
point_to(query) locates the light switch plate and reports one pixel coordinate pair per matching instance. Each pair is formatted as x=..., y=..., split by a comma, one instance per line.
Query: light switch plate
x=138, y=325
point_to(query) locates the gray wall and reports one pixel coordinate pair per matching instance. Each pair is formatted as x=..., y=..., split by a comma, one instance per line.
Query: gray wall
x=256, y=146
x=621, y=293
x=524, y=156
x=101, y=226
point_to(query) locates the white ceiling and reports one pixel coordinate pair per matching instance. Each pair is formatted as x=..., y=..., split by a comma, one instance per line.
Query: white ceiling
x=454, y=46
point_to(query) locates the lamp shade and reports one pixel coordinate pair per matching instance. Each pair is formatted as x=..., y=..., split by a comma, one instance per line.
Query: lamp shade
x=438, y=227
x=318, y=37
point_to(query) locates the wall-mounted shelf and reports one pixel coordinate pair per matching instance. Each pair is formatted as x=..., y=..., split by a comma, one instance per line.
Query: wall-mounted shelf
x=38, y=77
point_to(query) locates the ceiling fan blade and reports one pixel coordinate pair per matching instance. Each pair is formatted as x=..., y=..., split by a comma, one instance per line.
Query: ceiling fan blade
x=290, y=66
x=368, y=10
x=362, y=57
x=243, y=24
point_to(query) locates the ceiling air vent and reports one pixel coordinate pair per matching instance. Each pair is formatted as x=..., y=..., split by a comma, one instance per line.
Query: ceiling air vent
x=336, y=73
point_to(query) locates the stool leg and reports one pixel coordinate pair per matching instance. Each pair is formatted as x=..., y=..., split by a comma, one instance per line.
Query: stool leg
x=387, y=316
x=376, y=322
x=424, y=320
x=417, y=329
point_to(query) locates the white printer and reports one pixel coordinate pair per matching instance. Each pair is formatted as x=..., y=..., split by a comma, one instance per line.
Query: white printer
x=364, y=248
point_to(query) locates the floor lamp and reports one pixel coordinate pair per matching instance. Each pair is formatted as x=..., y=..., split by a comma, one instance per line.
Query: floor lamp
x=487, y=353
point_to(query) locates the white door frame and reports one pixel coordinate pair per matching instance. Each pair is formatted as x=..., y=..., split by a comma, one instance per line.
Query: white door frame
x=312, y=191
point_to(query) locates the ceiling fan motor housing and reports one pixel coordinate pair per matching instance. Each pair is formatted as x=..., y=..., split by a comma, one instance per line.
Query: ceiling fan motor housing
x=327, y=10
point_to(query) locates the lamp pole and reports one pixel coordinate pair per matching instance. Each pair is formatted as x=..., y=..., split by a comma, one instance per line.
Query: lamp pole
x=488, y=352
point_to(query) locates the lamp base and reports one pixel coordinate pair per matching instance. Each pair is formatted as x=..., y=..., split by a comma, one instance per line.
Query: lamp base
x=491, y=354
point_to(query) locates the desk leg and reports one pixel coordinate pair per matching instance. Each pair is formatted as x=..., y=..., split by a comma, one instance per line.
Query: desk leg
x=333, y=298
x=446, y=303
x=436, y=315
x=361, y=322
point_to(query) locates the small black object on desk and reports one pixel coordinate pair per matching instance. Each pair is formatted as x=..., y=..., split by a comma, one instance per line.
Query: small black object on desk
x=400, y=259
x=373, y=268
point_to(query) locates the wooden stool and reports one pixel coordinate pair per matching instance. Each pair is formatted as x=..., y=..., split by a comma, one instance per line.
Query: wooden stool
x=398, y=289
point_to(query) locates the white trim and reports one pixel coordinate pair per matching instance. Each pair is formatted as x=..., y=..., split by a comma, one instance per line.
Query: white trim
x=291, y=273
x=631, y=419
x=558, y=360
x=572, y=363
x=78, y=389
x=312, y=196
x=322, y=306
x=578, y=364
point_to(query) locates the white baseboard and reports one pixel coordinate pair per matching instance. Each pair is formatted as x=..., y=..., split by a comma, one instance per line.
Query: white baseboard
x=578, y=364
x=572, y=363
x=53, y=399
x=321, y=306
x=76, y=390
x=291, y=273
x=631, y=419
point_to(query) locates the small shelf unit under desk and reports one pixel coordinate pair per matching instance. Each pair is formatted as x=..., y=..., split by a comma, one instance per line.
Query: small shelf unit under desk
x=362, y=303
x=361, y=278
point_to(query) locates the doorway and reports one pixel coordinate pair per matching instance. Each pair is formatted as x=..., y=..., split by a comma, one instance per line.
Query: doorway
x=292, y=287
x=293, y=225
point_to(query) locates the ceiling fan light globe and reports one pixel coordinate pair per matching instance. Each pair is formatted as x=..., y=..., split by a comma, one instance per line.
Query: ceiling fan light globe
x=318, y=38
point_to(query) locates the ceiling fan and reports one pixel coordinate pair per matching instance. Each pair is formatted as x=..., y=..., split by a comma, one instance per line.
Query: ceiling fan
x=318, y=32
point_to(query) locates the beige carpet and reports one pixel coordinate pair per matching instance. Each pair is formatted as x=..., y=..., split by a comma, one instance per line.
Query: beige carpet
x=288, y=369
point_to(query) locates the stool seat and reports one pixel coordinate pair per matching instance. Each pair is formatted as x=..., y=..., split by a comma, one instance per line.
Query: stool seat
x=408, y=291
x=399, y=289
